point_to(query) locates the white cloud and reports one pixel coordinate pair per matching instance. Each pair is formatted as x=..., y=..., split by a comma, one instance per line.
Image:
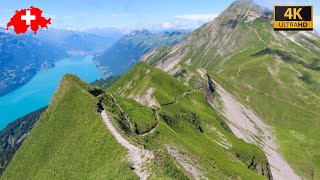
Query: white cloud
x=197, y=17
x=170, y=25
x=186, y=21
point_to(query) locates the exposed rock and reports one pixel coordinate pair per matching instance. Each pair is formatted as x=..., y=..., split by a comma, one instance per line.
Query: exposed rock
x=187, y=163
x=245, y=124
x=147, y=99
x=137, y=156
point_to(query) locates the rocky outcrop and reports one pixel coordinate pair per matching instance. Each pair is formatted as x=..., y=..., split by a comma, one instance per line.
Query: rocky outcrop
x=210, y=90
x=260, y=166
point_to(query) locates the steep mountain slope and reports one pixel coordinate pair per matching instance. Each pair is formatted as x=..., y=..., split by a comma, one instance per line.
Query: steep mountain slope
x=168, y=139
x=70, y=141
x=22, y=57
x=14, y=134
x=128, y=50
x=276, y=74
x=196, y=137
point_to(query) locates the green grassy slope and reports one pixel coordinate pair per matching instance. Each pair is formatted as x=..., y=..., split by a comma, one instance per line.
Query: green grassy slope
x=142, y=117
x=275, y=73
x=70, y=141
x=284, y=99
x=14, y=134
x=187, y=123
x=139, y=79
x=282, y=85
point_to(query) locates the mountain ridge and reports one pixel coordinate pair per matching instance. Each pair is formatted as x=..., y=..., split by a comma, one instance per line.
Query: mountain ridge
x=128, y=50
x=210, y=149
x=235, y=100
x=273, y=73
x=171, y=102
x=70, y=140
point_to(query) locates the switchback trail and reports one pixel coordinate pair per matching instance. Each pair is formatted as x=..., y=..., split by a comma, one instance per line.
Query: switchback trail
x=178, y=98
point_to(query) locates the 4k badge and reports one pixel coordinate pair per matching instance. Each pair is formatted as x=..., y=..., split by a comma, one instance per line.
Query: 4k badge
x=290, y=18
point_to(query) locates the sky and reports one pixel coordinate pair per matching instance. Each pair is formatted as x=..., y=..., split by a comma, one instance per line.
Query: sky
x=133, y=14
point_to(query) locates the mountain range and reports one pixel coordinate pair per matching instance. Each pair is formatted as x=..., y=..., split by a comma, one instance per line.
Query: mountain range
x=73, y=41
x=122, y=55
x=22, y=56
x=233, y=100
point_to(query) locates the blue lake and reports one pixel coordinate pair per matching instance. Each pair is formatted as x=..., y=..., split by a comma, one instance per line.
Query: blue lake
x=37, y=93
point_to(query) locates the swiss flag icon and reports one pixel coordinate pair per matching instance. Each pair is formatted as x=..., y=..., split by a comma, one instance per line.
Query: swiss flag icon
x=28, y=18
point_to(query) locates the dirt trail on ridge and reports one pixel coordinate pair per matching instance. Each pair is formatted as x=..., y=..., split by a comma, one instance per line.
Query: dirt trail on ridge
x=137, y=156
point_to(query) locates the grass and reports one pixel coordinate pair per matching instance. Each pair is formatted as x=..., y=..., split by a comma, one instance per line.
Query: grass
x=142, y=76
x=144, y=118
x=105, y=83
x=184, y=124
x=284, y=100
x=269, y=83
x=70, y=141
x=163, y=166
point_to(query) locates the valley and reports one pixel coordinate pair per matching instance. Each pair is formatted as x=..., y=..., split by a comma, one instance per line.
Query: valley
x=38, y=91
x=23, y=56
x=233, y=99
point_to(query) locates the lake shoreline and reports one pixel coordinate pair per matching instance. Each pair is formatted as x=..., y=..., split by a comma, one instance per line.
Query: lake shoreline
x=37, y=92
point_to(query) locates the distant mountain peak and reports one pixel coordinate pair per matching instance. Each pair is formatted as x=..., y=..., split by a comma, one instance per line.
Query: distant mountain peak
x=173, y=33
x=244, y=1
x=240, y=11
x=245, y=5
x=141, y=32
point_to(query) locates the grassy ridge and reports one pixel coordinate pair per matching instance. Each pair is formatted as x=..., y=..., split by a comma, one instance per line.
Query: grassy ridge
x=189, y=124
x=142, y=77
x=70, y=141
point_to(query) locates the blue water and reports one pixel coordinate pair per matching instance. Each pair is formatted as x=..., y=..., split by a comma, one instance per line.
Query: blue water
x=37, y=93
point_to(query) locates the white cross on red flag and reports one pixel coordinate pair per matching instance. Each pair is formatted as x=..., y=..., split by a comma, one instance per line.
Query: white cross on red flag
x=28, y=18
